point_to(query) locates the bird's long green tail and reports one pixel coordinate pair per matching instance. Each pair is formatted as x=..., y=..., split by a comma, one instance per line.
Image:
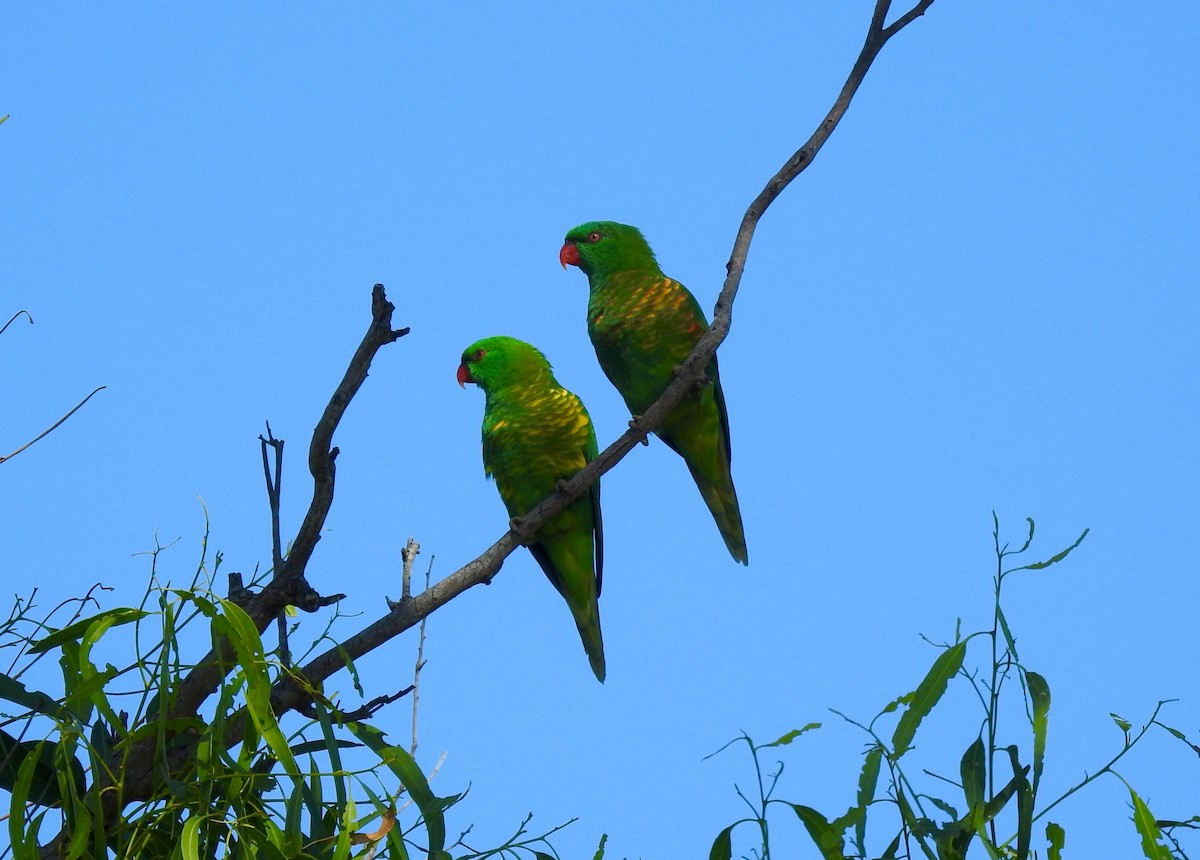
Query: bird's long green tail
x=593, y=643
x=722, y=502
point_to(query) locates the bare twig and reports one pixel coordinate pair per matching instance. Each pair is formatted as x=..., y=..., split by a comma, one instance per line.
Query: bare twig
x=370, y=708
x=53, y=426
x=17, y=314
x=321, y=453
x=274, y=490
x=407, y=556
x=419, y=665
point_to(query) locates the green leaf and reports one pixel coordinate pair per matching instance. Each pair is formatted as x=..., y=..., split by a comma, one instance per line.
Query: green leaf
x=1009, y=640
x=1024, y=804
x=1122, y=723
x=317, y=746
x=790, y=736
x=1195, y=748
x=599, y=855
x=890, y=853
x=868, y=779
x=14, y=691
x=190, y=841
x=827, y=838
x=896, y=703
x=72, y=632
x=1039, y=692
x=243, y=635
x=973, y=768
x=722, y=847
x=292, y=820
x=1041, y=565
x=398, y=760
x=21, y=846
x=1143, y=819
x=1057, y=837
x=38, y=758
x=927, y=694
x=334, y=753
x=1028, y=538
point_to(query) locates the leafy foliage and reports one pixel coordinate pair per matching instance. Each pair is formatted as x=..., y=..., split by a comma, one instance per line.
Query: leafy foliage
x=998, y=785
x=250, y=784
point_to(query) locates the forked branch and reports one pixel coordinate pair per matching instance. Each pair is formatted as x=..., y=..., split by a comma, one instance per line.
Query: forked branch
x=407, y=613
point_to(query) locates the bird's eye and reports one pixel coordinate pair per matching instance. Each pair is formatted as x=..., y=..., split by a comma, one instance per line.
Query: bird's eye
x=478, y=354
x=594, y=236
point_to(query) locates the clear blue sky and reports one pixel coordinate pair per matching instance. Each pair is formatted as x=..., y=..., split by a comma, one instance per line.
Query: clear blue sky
x=983, y=296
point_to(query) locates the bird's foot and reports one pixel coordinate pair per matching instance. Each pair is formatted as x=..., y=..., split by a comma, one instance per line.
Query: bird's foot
x=635, y=424
x=561, y=485
x=520, y=527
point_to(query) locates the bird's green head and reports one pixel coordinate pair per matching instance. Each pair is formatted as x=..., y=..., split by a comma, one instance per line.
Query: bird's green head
x=495, y=362
x=602, y=248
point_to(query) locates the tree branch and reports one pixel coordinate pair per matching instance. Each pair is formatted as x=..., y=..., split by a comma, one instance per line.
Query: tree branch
x=14, y=318
x=408, y=613
x=53, y=426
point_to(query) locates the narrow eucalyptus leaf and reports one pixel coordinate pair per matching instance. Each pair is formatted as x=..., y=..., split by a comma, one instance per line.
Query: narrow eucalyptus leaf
x=14, y=691
x=1039, y=693
x=890, y=853
x=1041, y=565
x=973, y=768
x=1147, y=828
x=790, y=736
x=76, y=631
x=1024, y=804
x=828, y=840
x=1057, y=837
x=189, y=843
x=927, y=694
x=401, y=763
x=244, y=637
x=722, y=847
x=868, y=779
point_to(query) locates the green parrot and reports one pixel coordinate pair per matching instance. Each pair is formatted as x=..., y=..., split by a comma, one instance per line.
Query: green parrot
x=643, y=325
x=535, y=434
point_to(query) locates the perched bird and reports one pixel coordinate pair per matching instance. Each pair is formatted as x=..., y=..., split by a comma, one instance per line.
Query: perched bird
x=644, y=325
x=535, y=434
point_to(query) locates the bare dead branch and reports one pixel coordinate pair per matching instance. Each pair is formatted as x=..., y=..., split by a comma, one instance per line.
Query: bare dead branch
x=481, y=569
x=17, y=314
x=274, y=491
x=53, y=426
x=419, y=664
x=321, y=453
x=407, y=556
x=371, y=707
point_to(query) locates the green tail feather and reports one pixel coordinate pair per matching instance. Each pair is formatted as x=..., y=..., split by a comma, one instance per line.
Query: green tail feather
x=593, y=644
x=722, y=502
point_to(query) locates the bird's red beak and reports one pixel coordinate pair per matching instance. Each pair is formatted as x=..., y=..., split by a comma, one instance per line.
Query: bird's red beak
x=464, y=375
x=569, y=255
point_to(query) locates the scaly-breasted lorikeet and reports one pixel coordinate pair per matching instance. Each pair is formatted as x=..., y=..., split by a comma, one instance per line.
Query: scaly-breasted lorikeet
x=643, y=325
x=535, y=434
